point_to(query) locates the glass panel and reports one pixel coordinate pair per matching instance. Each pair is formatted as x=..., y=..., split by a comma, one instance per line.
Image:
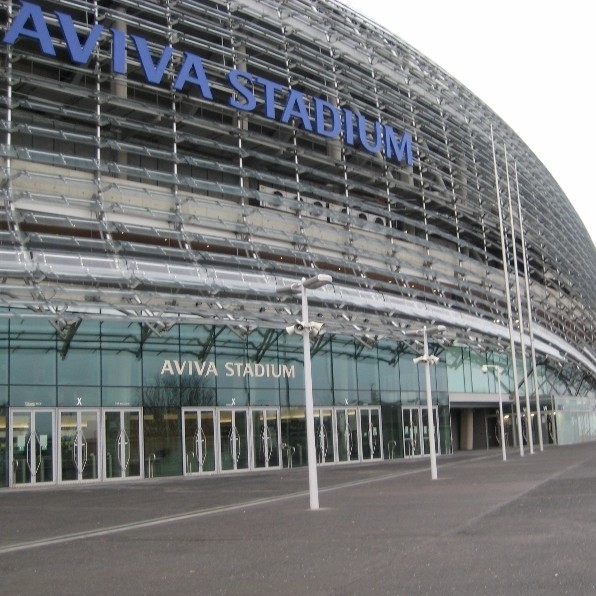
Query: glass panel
x=265, y=438
x=375, y=434
x=388, y=366
x=348, y=445
x=368, y=377
x=120, y=361
x=425, y=443
x=233, y=439
x=344, y=437
x=392, y=420
x=72, y=397
x=192, y=438
x=199, y=441
x=226, y=439
x=241, y=418
x=112, y=433
x=352, y=416
x=132, y=450
x=121, y=396
x=344, y=365
x=425, y=430
x=371, y=437
x=208, y=434
x=3, y=448
x=261, y=440
x=80, y=365
x=32, y=396
x=294, y=437
x=89, y=445
x=44, y=432
x=324, y=435
x=411, y=432
x=365, y=430
x=69, y=465
x=32, y=353
x=163, y=442
x=21, y=432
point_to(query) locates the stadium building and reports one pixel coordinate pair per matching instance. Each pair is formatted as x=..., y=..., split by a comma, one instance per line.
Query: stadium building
x=167, y=167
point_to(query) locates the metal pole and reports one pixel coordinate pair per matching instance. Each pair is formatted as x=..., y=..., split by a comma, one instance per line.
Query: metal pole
x=530, y=322
x=522, y=343
x=508, y=298
x=429, y=405
x=313, y=485
x=498, y=369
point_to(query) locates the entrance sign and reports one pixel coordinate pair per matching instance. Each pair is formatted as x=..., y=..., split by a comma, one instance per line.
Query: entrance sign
x=246, y=91
x=231, y=369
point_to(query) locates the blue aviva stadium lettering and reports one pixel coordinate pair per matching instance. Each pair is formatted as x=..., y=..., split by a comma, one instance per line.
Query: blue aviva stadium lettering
x=248, y=93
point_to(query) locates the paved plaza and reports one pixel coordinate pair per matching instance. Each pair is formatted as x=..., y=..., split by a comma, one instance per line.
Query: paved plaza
x=525, y=526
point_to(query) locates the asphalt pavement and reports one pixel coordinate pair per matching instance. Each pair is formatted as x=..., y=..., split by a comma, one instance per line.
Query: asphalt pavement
x=525, y=526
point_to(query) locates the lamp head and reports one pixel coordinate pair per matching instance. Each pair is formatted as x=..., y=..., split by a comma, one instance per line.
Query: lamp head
x=296, y=328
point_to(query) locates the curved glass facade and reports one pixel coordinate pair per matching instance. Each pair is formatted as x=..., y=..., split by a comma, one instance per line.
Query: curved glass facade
x=167, y=167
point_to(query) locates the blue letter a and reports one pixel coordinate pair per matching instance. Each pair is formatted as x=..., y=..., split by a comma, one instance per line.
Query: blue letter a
x=39, y=31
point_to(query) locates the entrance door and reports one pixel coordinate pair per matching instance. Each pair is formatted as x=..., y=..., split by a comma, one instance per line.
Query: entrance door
x=324, y=435
x=266, y=432
x=199, y=441
x=233, y=439
x=348, y=446
x=370, y=431
x=31, y=446
x=425, y=430
x=122, y=440
x=411, y=426
x=416, y=431
x=79, y=445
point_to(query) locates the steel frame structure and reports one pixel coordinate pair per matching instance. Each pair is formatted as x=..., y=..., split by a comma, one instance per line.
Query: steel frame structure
x=127, y=200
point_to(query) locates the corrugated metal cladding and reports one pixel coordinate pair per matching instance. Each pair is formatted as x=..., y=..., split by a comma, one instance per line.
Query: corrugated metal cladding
x=133, y=198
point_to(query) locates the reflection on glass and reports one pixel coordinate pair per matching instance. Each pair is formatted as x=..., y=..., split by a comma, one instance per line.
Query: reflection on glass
x=199, y=441
x=347, y=434
x=411, y=432
x=233, y=439
x=122, y=444
x=265, y=438
x=324, y=435
x=32, y=447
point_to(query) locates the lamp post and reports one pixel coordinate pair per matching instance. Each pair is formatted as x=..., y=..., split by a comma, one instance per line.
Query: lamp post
x=498, y=370
x=305, y=328
x=428, y=360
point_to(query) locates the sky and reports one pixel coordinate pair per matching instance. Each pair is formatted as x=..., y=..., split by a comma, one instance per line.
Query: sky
x=533, y=62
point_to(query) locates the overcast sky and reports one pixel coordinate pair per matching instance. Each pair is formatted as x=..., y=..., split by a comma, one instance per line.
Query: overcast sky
x=533, y=63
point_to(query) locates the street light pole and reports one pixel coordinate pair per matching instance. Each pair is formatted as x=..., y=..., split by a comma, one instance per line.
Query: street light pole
x=312, y=283
x=428, y=360
x=498, y=370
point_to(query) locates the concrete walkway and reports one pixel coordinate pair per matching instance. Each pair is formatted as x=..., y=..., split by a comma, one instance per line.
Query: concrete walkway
x=525, y=526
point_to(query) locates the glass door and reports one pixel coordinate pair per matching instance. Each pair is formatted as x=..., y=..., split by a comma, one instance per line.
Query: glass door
x=233, y=439
x=31, y=446
x=79, y=445
x=199, y=440
x=370, y=431
x=416, y=431
x=266, y=433
x=348, y=447
x=425, y=430
x=411, y=427
x=324, y=435
x=122, y=440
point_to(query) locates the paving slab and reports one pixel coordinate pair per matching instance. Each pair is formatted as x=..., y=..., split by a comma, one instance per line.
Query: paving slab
x=526, y=526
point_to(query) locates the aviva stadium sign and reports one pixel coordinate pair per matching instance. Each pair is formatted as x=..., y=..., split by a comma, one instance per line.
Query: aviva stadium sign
x=247, y=92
